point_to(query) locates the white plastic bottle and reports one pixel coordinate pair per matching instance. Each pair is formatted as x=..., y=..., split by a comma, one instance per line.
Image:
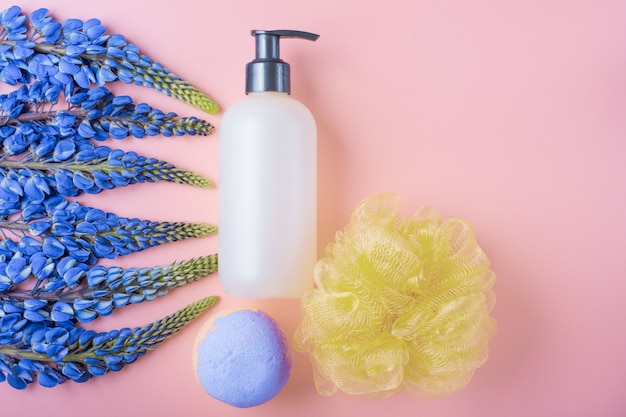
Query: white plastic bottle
x=268, y=182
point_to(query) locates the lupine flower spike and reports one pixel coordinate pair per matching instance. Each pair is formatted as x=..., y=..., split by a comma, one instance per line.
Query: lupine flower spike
x=52, y=353
x=78, y=54
x=87, y=234
x=81, y=294
x=74, y=169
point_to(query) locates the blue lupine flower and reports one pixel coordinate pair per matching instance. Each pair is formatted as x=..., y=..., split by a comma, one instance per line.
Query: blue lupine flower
x=48, y=281
x=79, y=293
x=78, y=54
x=75, y=176
x=57, y=352
x=95, y=113
x=72, y=237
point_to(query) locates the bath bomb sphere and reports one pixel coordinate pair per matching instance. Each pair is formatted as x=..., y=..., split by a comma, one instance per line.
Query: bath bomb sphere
x=242, y=358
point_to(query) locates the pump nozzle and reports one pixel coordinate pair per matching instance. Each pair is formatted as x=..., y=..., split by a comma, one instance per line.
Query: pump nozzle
x=267, y=72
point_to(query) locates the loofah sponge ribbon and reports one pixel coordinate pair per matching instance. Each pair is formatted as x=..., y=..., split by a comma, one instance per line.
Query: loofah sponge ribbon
x=399, y=304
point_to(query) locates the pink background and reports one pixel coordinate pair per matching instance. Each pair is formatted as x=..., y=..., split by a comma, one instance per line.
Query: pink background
x=508, y=113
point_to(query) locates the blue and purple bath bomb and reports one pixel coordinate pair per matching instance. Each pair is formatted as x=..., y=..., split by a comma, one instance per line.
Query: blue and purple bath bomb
x=242, y=358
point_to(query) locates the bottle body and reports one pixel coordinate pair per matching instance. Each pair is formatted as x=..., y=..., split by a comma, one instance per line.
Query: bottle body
x=267, y=197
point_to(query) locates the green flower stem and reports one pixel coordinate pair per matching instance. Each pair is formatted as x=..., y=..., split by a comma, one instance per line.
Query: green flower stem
x=14, y=225
x=16, y=353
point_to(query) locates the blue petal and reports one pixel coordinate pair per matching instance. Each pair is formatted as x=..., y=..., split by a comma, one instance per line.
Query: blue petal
x=114, y=52
x=104, y=307
x=137, y=131
x=47, y=378
x=57, y=335
x=65, y=265
x=57, y=351
x=33, y=192
x=35, y=316
x=66, y=66
x=62, y=229
x=64, y=79
x=73, y=277
x=22, y=50
x=87, y=337
x=65, y=119
x=11, y=74
x=86, y=315
x=52, y=247
x=72, y=24
x=96, y=276
x=16, y=382
x=96, y=49
x=34, y=304
x=52, y=286
x=64, y=150
x=12, y=185
x=118, y=179
x=97, y=370
x=7, y=196
x=39, y=227
x=41, y=265
x=78, y=97
x=81, y=181
x=125, y=75
x=38, y=16
x=29, y=246
x=118, y=131
x=45, y=147
x=62, y=311
x=12, y=308
x=86, y=228
x=36, y=68
x=116, y=40
x=93, y=28
x=82, y=255
x=10, y=14
x=122, y=100
x=7, y=322
x=95, y=215
x=85, y=129
x=121, y=299
x=30, y=365
x=72, y=371
x=55, y=203
x=104, y=249
x=74, y=50
x=18, y=270
x=84, y=77
x=52, y=31
x=105, y=75
x=101, y=338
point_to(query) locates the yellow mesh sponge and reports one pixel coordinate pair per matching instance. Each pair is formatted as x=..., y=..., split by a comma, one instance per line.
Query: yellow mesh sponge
x=399, y=304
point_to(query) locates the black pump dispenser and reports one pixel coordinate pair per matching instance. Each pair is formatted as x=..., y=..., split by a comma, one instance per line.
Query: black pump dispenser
x=267, y=72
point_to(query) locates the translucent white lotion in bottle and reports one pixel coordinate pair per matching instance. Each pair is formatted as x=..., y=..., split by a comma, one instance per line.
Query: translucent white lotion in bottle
x=268, y=182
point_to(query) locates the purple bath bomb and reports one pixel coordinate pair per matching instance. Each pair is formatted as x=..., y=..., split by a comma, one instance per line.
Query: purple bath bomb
x=242, y=358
